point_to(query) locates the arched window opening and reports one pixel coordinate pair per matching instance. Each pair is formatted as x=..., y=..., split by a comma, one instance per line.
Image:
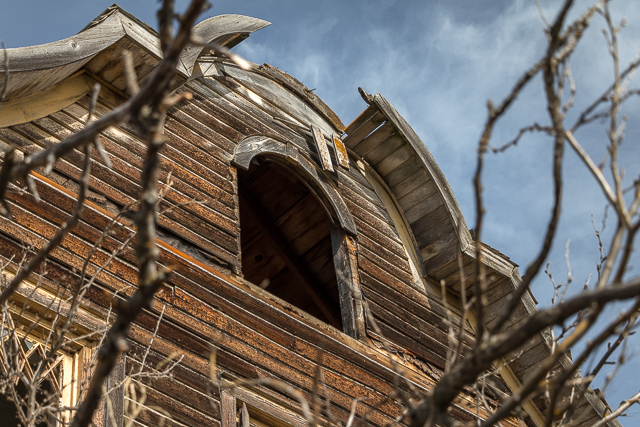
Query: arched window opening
x=286, y=240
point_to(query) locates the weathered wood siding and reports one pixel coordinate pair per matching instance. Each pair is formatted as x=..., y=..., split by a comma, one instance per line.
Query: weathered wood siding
x=206, y=303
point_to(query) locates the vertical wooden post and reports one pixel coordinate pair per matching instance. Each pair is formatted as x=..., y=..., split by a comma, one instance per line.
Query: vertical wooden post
x=228, y=409
x=345, y=262
x=114, y=383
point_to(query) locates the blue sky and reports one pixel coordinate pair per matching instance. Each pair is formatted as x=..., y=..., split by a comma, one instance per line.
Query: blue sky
x=437, y=62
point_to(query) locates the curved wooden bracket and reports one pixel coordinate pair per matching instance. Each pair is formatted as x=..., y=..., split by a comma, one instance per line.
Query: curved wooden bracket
x=220, y=29
x=317, y=181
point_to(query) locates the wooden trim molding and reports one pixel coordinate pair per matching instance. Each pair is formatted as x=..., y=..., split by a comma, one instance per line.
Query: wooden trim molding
x=318, y=182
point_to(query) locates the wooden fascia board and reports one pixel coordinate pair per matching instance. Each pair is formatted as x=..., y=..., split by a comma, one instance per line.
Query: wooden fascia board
x=67, y=51
x=43, y=103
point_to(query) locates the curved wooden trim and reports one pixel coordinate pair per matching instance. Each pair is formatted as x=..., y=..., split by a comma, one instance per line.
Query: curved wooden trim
x=67, y=56
x=219, y=29
x=320, y=185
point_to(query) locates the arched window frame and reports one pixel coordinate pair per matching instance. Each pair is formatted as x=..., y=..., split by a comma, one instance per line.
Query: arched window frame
x=343, y=229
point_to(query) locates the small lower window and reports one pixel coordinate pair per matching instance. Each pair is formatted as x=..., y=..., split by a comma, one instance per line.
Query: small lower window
x=19, y=365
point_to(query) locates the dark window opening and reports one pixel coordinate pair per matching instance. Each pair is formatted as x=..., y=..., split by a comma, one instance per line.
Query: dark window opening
x=286, y=240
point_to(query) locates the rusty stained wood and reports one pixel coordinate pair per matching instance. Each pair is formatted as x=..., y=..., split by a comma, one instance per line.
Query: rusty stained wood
x=213, y=104
x=203, y=164
x=270, y=360
x=179, y=391
x=181, y=412
x=107, y=182
x=341, y=151
x=321, y=146
x=189, y=190
x=277, y=415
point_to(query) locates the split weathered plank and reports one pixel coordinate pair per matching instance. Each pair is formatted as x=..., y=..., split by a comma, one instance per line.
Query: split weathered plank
x=389, y=328
x=386, y=149
x=393, y=244
x=119, y=185
x=179, y=411
x=303, y=92
x=388, y=256
x=384, y=226
x=278, y=96
x=176, y=390
x=209, y=166
x=210, y=106
x=264, y=112
x=186, y=194
x=270, y=358
x=374, y=139
x=210, y=145
x=210, y=159
x=370, y=121
x=416, y=328
x=365, y=198
x=400, y=274
x=192, y=116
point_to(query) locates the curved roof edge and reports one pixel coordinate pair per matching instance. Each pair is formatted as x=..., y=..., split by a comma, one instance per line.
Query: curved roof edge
x=383, y=138
x=36, y=68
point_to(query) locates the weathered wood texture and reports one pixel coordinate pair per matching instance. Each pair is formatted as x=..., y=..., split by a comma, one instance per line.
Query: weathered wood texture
x=257, y=335
x=99, y=46
x=210, y=236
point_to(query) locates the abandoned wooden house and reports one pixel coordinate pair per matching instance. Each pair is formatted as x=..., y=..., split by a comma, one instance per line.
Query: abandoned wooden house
x=280, y=224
